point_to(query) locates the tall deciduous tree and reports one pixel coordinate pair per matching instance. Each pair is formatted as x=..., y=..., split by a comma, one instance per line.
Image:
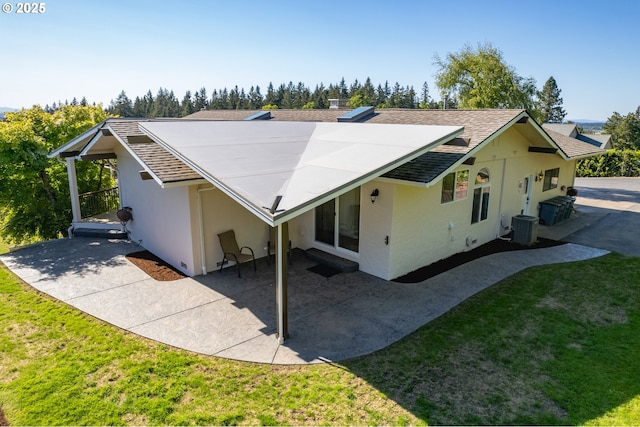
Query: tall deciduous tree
x=549, y=104
x=480, y=78
x=34, y=191
x=624, y=130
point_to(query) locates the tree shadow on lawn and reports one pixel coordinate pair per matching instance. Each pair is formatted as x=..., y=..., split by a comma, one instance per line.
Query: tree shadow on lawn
x=549, y=346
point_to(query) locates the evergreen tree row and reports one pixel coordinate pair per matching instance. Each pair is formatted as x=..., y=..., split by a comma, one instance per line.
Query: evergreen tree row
x=74, y=102
x=290, y=96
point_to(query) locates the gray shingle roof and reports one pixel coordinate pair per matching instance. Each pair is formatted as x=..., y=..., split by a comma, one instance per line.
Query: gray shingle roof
x=328, y=115
x=478, y=124
x=425, y=168
x=572, y=147
x=566, y=129
x=159, y=161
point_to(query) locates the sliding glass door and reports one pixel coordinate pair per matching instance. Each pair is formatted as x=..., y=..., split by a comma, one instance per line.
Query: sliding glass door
x=338, y=221
x=325, y=223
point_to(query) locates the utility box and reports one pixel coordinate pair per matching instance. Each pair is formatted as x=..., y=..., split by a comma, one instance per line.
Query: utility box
x=525, y=229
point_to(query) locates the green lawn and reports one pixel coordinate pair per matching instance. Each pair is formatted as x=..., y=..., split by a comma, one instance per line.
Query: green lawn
x=552, y=345
x=4, y=248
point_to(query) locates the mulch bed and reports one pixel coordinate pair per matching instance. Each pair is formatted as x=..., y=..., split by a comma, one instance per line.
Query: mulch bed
x=154, y=266
x=160, y=270
x=492, y=247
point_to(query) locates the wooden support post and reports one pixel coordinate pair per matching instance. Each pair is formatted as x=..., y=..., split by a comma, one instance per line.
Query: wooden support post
x=282, y=244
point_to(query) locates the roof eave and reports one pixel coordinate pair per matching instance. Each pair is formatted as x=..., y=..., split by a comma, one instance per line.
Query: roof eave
x=586, y=156
x=79, y=142
x=184, y=183
x=136, y=157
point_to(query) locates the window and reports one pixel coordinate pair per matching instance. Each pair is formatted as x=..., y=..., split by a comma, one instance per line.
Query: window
x=481, y=193
x=550, y=179
x=454, y=186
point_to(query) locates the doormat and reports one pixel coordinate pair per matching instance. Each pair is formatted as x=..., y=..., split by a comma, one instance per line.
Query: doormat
x=324, y=270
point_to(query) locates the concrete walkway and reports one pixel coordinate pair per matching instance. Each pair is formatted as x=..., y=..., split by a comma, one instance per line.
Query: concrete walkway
x=334, y=318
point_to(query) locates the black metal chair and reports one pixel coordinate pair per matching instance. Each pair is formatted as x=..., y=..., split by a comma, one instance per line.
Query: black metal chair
x=234, y=253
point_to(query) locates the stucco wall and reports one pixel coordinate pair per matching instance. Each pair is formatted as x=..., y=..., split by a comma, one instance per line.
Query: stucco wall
x=425, y=230
x=221, y=213
x=519, y=163
x=160, y=216
x=375, y=227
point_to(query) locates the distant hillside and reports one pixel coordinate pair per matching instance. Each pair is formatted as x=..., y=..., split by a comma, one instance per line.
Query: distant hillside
x=5, y=110
x=590, y=126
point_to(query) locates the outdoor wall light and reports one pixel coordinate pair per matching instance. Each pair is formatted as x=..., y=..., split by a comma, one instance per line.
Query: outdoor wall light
x=539, y=176
x=374, y=195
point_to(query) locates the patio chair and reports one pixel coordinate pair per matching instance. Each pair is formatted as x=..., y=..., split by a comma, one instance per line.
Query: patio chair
x=271, y=245
x=233, y=253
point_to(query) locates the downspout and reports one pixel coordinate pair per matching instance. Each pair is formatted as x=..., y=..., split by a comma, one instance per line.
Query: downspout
x=504, y=172
x=203, y=255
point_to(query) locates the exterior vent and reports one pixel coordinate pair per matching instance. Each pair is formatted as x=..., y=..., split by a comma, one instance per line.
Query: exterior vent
x=260, y=115
x=356, y=115
x=525, y=229
x=459, y=142
x=139, y=139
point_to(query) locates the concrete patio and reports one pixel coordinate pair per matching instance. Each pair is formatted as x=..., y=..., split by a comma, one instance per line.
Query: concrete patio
x=335, y=318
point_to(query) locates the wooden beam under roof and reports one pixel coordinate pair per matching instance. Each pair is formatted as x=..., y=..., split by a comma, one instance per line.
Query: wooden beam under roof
x=98, y=156
x=66, y=154
x=545, y=150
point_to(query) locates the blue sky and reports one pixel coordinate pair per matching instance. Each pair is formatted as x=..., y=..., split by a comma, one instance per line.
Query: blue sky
x=97, y=48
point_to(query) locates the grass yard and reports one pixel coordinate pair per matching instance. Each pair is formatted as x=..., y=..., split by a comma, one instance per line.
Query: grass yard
x=4, y=248
x=555, y=344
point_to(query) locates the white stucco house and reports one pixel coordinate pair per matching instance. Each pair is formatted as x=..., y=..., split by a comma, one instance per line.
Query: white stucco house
x=393, y=190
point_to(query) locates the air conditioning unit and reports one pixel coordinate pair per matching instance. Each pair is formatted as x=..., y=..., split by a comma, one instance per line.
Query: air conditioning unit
x=525, y=229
